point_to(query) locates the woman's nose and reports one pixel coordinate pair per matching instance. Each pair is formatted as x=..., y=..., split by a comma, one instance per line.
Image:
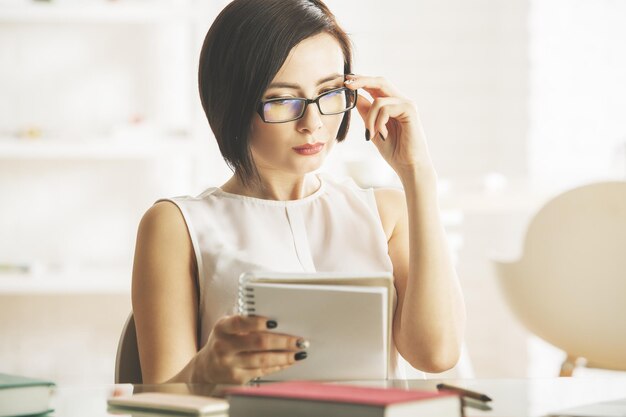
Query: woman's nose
x=312, y=119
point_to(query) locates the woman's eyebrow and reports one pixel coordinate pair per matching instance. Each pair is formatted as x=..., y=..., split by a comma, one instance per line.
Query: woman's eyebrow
x=297, y=86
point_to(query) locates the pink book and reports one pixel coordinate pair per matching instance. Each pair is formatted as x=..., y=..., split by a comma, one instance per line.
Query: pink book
x=304, y=399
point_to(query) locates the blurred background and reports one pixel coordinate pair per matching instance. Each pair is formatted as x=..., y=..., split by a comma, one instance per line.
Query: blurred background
x=100, y=116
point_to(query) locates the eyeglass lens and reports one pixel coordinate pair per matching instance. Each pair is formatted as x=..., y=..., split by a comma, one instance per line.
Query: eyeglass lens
x=333, y=102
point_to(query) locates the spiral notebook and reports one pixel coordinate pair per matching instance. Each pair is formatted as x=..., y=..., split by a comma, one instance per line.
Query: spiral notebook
x=346, y=318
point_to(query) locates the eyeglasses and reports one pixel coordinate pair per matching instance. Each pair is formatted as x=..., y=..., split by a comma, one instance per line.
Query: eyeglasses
x=281, y=110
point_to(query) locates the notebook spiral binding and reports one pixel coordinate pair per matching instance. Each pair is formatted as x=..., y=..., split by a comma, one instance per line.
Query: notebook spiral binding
x=245, y=304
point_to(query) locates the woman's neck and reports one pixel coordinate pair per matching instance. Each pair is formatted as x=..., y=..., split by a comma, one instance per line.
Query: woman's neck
x=275, y=187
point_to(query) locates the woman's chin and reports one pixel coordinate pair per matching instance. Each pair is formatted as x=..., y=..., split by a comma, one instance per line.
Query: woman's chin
x=309, y=166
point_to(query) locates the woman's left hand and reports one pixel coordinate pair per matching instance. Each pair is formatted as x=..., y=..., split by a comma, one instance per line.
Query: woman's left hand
x=393, y=123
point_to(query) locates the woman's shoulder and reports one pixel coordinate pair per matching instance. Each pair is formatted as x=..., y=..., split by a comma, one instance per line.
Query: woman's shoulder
x=163, y=217
x=175, y=215
x=162, y=243
x=211, y=191
x=183, y=205
x=389, y=195
x=391, y=204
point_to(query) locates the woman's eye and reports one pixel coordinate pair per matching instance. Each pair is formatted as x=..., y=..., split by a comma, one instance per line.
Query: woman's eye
x=332, y=92
x=329, y=89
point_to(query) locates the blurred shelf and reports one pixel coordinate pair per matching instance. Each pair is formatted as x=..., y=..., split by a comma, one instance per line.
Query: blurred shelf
x=66, y=283
x=96, y=12
x=26, y=149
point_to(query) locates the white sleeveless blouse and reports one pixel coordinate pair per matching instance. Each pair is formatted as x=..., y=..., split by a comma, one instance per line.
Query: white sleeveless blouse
x=336, y=229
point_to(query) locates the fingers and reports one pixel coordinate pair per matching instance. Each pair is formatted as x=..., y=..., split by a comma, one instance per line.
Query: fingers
x=243, y=324
x=241, y=348
x=264, y=341
x=377, y=114
x=264, y=360
x=375, y=86
x=250, y=333
x=250, y=365
x=378, y=117
x=387, y=104
x=363, y=106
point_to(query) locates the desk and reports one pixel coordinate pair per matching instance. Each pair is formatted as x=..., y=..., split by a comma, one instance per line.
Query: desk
x=511, y=397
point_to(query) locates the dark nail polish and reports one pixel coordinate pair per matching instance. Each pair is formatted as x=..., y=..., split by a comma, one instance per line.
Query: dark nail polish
x=381, y=136
x=271, y=324
x=302, y=344
x=300, y=355
x=367, y=134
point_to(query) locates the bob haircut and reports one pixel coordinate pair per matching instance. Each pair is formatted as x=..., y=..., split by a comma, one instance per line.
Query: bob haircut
x=243, y=50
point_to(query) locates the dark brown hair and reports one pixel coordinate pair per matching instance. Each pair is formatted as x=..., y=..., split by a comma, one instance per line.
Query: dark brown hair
x=243, y=50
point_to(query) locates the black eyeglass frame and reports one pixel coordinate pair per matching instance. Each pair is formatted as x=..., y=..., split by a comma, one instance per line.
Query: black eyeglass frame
x=307, y=101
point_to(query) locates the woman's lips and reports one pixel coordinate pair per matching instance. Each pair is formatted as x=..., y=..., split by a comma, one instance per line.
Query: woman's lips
x=309, y=149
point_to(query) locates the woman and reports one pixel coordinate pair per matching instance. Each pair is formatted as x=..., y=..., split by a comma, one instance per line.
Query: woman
x=276, y=85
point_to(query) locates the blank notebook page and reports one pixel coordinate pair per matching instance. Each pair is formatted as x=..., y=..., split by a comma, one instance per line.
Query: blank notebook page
x=345, y=325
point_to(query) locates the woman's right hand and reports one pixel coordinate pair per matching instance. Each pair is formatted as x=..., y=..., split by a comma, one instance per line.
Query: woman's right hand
x=240, y=348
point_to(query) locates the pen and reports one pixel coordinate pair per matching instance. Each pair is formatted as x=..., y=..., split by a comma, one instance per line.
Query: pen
x=464, y=392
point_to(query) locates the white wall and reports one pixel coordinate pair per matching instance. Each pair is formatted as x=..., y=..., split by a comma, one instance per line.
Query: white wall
x=577, y=126
x=463, y=63
x=87, y=99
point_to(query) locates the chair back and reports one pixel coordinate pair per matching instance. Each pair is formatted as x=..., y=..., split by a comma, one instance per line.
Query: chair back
x=569, y=287
x=127, y=365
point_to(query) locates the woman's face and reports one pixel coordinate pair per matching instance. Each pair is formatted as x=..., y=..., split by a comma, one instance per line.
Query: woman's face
x=313, y=66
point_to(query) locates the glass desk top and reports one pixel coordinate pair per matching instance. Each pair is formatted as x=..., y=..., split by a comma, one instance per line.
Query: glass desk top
x=511, y=397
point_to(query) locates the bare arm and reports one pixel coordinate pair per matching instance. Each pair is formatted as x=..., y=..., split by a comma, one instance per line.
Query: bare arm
x=429, y=320
x=164, y=294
